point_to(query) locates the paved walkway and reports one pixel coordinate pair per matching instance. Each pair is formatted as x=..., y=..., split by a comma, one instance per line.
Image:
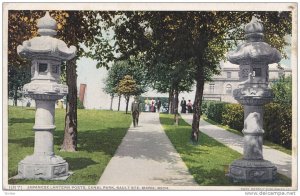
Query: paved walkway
x=282, y=160
x=146, y=157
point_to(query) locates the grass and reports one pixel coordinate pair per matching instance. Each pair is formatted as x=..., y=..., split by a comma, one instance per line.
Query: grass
x=266, y=142
x=99, y=135
x=208, y=162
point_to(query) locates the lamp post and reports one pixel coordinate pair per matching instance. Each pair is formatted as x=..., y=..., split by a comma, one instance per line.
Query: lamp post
x=46, y=54
x=253, y=56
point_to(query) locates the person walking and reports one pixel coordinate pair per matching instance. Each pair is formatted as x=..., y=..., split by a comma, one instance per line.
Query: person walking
x=158, y=104
x=190, y=106
x=135, y=111
x=183, y=105
x=147, y=105
x=152, y=107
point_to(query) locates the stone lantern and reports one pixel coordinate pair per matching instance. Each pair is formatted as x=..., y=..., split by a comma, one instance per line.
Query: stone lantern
x=253, y=93
x=46, y=54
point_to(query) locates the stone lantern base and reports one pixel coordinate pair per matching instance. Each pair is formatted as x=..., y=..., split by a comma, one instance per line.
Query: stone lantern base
x=43, y=167
x=244, y=170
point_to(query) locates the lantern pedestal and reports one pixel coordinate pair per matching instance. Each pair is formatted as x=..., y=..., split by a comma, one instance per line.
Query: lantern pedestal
x=244, y=170
x=43, y=164
x=43, y=167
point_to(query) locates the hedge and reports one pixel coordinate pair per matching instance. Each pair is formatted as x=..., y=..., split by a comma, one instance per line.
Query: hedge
x=278, y=124
x=214, y=111
x=277, y=119
x=233, y=116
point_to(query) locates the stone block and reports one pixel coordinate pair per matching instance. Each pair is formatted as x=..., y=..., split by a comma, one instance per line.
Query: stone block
x=252, y=171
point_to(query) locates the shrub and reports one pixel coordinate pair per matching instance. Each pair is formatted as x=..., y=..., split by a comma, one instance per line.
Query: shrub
x=282, y=89
x=215, y=110
x=204, y=107
x=79, y=104
x=233, y=116
x=277, y=119
x=278, y=124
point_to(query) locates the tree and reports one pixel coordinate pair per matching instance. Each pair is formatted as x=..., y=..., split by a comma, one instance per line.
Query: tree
x=110, y=89
x=282, y=89
x=18, y=76
x=199, y=40
x=22, y=22
x=127, y=87
x=119, y=70
x=81, y=29
x=172, y=79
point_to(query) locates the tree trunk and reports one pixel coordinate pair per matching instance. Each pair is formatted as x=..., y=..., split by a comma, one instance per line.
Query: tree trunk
x=176, y=115
x=170, y=104
x=70, y=137
x=111, y=102
x=119, y=102
x=197, y=109
x=127, y=102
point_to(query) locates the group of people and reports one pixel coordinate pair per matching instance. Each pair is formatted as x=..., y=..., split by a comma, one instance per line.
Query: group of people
x=152, y=105
x=186, y=106
x=155, y=105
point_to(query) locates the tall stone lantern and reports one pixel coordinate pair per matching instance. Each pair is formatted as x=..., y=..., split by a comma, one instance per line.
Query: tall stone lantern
x=46, y=54
x=253, y=93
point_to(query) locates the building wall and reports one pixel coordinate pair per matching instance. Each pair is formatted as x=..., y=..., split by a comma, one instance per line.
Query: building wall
x=221, y=87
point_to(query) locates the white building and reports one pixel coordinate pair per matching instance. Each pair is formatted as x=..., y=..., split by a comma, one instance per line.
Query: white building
x=221, y=86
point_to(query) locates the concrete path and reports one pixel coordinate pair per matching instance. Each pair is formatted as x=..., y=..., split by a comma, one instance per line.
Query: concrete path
x=282, y=160
x=146, y=157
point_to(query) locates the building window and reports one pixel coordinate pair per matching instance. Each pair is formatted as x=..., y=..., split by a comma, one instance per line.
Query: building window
x=228, y=74
x=228, y=89
x=211, y=88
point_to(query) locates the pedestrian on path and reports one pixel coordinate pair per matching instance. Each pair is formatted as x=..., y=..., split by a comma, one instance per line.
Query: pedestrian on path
x=183, y=105
x=135, y=111
x=158, y=103
x=190, y=107
x=147, y=105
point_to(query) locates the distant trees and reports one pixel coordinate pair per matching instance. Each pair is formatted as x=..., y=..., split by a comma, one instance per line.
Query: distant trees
x=127, y=87
x=133, y=70
x=18, y=76
x=172, y=79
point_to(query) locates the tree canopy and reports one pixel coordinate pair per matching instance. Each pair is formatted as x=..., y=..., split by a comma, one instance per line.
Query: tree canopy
x=197, y=39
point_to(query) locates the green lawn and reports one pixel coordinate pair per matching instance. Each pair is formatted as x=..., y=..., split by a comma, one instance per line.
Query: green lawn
x=266, y=142
x=208, y=162
x=99, y=135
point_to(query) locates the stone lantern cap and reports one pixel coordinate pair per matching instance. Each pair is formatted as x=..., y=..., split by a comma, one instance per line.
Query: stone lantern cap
x=254, y=50
x=46, y=46
x=47, y=25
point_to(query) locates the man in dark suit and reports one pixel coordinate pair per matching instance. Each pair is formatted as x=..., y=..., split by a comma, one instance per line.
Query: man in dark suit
x=183, y=105
x=135, y=111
